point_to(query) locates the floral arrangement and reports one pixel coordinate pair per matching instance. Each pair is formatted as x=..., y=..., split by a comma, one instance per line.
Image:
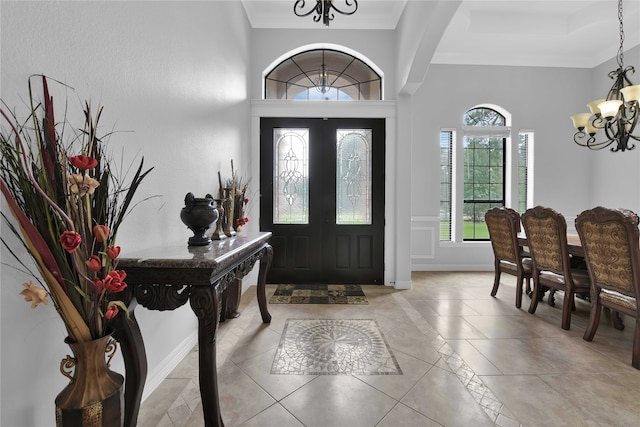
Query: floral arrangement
x=68, y=200
x=236, y=187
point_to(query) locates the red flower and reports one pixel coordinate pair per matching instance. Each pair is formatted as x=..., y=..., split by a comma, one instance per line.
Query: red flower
x=112, y=311
x=114, y=281
x=101, y=232
x=94, y=263
x=99, y=285
x=246, y=200
x=113, y=252
x=70, y=241
x=83, y=162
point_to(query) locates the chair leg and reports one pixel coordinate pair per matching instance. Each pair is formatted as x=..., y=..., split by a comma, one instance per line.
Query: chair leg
x=537, y=296
x=616, y=318
x=594, y=319
x=551, y=299
x=520, y=279
x=566, y=309
x=496, y=282
x=635, y=356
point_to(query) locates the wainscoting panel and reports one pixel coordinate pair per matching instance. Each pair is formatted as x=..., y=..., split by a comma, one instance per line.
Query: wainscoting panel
x=424, y=235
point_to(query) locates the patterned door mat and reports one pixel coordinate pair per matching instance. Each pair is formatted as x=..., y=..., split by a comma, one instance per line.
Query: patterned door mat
x=333, y=347
x=318, y=294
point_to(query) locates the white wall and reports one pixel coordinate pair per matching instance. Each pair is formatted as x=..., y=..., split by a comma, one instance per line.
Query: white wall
x=176, y=75
x=539, y=99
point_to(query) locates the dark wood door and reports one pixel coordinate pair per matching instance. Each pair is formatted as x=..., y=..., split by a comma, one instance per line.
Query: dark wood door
x=322, y=197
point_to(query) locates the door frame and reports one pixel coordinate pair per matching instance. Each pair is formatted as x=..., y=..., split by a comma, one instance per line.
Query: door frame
x=340, y=109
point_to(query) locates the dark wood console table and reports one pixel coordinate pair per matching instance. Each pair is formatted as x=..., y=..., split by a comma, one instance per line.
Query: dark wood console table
x=165, y=278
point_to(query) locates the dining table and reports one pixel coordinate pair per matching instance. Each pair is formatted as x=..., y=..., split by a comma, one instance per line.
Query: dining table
x=573, y=243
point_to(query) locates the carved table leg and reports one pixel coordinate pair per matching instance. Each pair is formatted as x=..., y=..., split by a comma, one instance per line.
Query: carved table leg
x=205, y=302
x=265, y=263
x=231, y=300
x=127, y=332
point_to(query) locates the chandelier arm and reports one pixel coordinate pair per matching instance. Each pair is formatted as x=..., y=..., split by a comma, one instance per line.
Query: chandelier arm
x=590, y=142
x=299, y=6
x=348, y=3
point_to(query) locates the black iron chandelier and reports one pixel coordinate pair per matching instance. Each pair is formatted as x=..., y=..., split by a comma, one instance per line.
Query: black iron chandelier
x=323, y=9
x=617, y=115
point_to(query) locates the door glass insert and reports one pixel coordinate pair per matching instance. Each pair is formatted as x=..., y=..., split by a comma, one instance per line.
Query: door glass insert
x=291, y=176
x=353, y=177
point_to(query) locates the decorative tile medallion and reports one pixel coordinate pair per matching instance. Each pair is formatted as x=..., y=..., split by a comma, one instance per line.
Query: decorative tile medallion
x=318, y=294
x=334, y=347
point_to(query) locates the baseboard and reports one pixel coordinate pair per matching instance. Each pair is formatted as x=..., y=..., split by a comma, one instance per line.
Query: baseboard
x=164, y=368
x=402, y=284
x=451, y=267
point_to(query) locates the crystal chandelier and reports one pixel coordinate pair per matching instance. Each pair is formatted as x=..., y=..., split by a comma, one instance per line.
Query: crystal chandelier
x=323, y=9
x=617, y=115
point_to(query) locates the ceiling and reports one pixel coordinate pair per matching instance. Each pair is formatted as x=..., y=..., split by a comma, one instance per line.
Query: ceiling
x=555, y=33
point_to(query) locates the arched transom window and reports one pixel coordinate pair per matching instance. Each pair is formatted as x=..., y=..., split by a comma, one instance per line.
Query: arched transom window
x=323, y=74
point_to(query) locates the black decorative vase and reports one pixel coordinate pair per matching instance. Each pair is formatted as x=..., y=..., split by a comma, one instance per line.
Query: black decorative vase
x=199, y=214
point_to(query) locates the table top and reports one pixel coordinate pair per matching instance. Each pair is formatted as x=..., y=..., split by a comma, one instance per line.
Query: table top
x=573, y=242
x=181, y=255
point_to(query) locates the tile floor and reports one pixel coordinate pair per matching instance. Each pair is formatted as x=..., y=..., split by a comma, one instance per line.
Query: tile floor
x=467, y=359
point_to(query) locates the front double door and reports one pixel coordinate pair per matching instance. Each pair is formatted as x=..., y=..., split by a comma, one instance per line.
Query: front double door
x=322, y=197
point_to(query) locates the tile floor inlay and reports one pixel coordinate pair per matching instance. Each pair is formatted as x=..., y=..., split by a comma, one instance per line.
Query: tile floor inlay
x=334, y=347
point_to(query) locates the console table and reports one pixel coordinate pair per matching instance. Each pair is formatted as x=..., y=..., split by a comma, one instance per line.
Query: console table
x=165, y=278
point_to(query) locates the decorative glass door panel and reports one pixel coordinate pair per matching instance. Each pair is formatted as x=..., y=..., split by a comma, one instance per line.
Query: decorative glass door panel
x=291, y=176
x=322, y=197
x=353, y=180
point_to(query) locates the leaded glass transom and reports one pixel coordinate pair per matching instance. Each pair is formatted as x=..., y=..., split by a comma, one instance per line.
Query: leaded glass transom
x=323, y=74
x=483, y=117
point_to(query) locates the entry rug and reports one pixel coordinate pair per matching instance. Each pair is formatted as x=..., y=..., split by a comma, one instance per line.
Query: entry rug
x=333, y=347
x=318, y=294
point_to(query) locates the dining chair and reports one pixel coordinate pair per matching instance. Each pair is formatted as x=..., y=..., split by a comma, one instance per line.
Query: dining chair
x=504, y=225
x=546, y=232
x=610, y=238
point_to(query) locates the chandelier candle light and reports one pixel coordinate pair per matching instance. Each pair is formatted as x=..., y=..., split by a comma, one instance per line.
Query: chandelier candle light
x=323, y=9
x=617, y=114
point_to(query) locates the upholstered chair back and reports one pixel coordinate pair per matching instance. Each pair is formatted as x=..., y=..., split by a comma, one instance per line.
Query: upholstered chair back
x=504, y=224
x=610, y=238
x=546, y=232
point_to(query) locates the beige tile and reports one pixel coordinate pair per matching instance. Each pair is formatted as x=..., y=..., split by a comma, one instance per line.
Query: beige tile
x=156, y=405
x=441, y=396
x=188, y=367
x=543, y=356
x=447, y=307
x=454, y=327
x=585, y=391
x=476, y=361
x=273, y=416
x=535, y=403
x=338, y=401
x=397, y=386
x=240, y=397
x=278, y=386
x=403, y=416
